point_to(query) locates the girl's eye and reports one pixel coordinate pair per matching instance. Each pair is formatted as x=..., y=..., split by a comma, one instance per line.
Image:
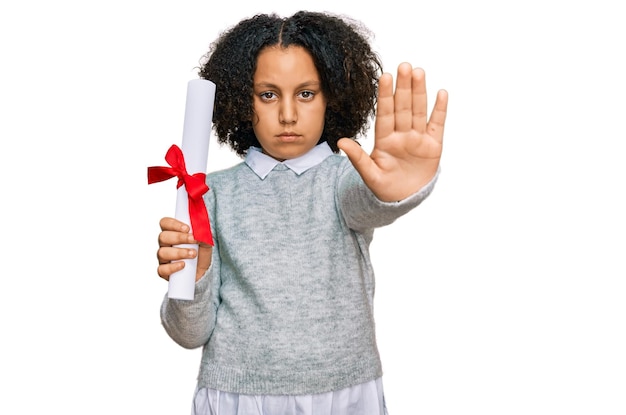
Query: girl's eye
x=307, y=95
x=267, y=96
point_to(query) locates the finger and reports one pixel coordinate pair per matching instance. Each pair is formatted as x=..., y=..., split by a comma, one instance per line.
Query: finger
x=165, y=255
x=402, y=99
x=438, y=116
x=384, y=107
x=420, y=104
x=172, y=224
x=165, y=270
x=170, y=238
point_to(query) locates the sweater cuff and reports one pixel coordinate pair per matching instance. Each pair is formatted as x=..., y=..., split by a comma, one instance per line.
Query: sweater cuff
x=203, y=283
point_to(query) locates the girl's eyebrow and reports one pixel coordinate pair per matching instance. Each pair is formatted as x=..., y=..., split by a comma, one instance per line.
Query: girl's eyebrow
x=274, y=86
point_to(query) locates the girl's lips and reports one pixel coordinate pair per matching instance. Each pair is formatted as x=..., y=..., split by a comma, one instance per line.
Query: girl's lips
x=288, y=137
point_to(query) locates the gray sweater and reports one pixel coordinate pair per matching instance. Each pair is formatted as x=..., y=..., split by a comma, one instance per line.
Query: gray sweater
x=287, y=304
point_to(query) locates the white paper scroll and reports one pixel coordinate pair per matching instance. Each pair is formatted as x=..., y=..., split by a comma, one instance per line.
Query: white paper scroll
x=195, y=148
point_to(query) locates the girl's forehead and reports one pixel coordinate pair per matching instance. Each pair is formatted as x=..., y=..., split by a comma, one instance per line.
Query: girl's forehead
x=282, y=65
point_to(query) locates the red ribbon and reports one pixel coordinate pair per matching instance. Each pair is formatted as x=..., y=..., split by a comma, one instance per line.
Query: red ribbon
x=195, y=185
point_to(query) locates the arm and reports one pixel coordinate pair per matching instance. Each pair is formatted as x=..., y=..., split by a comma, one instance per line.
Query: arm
x=188, y=323
x=407, y=146
x=363, y=210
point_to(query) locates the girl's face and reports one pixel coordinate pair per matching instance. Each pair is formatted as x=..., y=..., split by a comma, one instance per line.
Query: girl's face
x=288, y=103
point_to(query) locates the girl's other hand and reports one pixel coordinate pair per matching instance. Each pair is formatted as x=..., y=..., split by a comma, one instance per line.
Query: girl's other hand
x=174, y=232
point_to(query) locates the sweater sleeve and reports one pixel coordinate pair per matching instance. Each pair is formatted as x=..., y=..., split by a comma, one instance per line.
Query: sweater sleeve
x=363, y=211
x=191, y=322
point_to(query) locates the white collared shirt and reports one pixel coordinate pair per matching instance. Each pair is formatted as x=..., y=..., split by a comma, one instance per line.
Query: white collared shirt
x=262, y=164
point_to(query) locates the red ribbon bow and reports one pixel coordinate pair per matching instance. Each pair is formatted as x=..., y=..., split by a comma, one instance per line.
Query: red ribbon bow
x=195, y=185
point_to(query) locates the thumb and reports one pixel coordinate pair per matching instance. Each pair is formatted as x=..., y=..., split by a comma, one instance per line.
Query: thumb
x=204, y=259
x=358, y=157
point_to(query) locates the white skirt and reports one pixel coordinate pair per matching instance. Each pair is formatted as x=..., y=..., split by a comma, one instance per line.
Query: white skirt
x=364, y=399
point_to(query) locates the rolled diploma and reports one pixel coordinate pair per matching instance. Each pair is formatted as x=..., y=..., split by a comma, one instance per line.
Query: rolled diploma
x=195, y=148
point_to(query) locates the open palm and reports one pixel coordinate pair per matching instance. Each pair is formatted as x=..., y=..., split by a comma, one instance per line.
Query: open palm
x=407, y=144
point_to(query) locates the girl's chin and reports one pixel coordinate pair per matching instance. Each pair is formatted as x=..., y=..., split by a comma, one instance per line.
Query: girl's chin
x=287, y=153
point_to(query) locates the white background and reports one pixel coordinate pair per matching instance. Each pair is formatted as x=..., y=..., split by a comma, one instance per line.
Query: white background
x=503, y=293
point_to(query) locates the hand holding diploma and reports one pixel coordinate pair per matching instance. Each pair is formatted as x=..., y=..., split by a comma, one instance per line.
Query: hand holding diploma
x=189, y=233
x=173, y=239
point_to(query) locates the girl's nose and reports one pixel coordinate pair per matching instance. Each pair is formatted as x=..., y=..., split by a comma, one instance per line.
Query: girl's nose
x=288, y=113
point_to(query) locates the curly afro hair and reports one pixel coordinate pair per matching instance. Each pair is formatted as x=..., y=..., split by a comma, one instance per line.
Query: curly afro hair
x=348, y=69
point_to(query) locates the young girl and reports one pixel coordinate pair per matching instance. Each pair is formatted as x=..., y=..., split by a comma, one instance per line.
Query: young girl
x=283, y=303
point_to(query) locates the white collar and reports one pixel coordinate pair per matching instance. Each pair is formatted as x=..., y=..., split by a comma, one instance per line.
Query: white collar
x=262, y=164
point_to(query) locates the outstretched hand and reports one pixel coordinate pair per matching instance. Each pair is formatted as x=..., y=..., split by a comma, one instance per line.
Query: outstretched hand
x=408, y=144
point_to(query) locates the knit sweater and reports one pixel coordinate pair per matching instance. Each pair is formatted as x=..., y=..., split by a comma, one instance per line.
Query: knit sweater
x=286, y=306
